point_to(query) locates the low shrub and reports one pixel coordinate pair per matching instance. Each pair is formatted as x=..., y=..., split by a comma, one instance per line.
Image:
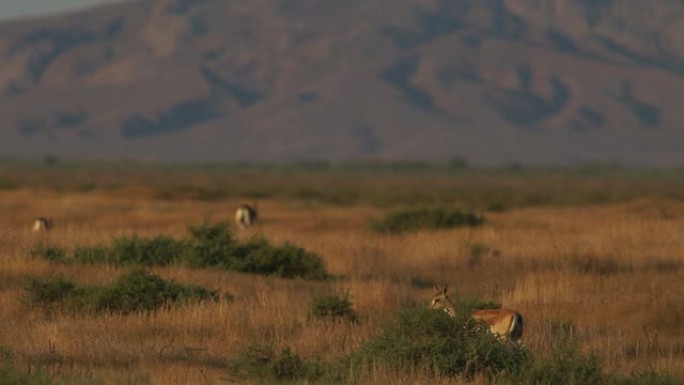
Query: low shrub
x=157, y=251
x=91, y=254
x=49, y=253
x=568, y=365
x=50, y=294
x=565, y=366
x=10, y=376
x=214, y=246
x=287, y=261
x=425, y=219
x=136, y=291
x=262, y=362
x=332, y=306
x=210, y=245
x=434, y=341
x=141, y=291
x=207, y=246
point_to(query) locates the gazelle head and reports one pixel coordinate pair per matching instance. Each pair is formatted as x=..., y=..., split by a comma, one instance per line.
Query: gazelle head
x=441, y=301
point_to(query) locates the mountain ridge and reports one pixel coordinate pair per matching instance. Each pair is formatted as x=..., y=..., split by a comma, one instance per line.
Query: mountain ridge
x=495, y=81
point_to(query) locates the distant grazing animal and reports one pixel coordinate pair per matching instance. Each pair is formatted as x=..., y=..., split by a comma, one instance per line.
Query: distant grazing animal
x=42, y=224
x=506, y=324
x=246, y=215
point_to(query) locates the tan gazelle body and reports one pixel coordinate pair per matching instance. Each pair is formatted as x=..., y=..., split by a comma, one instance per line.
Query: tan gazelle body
x=246, y=215
x=506, y=324
x=42, y=224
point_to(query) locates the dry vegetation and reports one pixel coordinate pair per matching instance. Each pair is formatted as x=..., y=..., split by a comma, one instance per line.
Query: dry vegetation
x=610, y=274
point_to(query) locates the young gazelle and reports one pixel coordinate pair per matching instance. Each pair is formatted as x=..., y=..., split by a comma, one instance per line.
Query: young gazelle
x=506, y=324
x=245, y=215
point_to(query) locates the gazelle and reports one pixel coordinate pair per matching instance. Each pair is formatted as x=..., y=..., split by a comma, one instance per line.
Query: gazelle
x=42, y=224
x=245, y=215
x=506, y=324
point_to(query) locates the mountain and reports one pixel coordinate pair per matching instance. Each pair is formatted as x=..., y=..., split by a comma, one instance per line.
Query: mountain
x=489, y=81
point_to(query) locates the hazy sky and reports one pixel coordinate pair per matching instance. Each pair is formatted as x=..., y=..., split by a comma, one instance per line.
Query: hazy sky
x=12, y=9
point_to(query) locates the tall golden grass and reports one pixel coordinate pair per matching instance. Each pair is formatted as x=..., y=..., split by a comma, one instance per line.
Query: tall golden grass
x=614, y=272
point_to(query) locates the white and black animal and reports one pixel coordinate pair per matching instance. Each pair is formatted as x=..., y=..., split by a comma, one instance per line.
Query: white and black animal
x=42, y=224
x=246, y=215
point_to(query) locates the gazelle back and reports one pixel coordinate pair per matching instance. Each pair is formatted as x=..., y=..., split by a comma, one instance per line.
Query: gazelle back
x=42, y=224
x=506, y=324
x=245, y=215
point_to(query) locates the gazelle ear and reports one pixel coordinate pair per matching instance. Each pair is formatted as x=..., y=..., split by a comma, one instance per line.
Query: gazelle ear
x=444, y=291
x=437, y=290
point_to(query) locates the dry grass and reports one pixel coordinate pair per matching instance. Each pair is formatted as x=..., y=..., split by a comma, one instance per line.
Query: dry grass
x=614, y=271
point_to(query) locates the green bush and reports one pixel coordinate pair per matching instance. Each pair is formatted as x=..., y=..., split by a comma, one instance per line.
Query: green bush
x=287, y=261
x=210, y=245
x=240, y=256
x=207, y=246
x=49, y=253
x=424, y=219
x=263, y=363
x=91, y=254
x=157, y=251
x=332, y=306
x=566, y=366
x=432, y=340
x=214, y=246
x=141, y=291
x=136, y=291
x=50, y=294
x=135, y=251
x=10, y=376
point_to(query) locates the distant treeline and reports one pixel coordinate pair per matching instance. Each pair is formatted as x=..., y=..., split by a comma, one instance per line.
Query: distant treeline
x=449, y=165
x=375, y=183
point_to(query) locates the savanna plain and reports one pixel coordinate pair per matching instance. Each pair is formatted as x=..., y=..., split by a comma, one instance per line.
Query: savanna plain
x=594, y=256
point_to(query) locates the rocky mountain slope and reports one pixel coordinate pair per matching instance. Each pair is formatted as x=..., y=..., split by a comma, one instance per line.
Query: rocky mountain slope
x=491, y=81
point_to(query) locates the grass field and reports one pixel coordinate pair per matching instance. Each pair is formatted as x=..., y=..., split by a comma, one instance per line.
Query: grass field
x=598, y=257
